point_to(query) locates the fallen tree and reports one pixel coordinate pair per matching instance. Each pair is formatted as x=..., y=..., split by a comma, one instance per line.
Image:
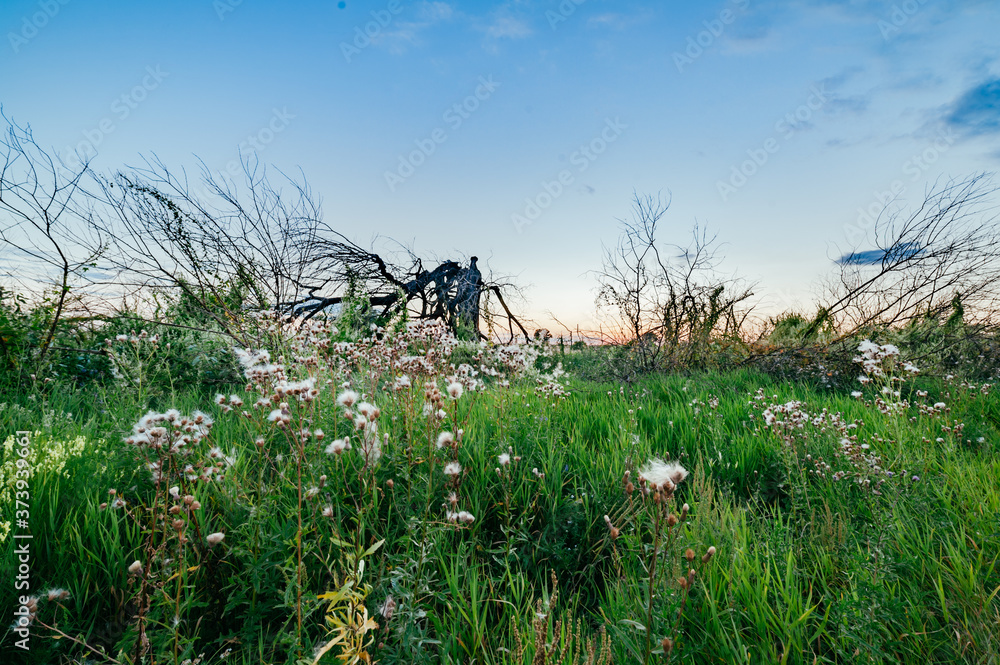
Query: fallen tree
x=264, y=246
x=946, y=250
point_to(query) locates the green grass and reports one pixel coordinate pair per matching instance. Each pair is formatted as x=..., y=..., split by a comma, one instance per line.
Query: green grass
x=807, y=569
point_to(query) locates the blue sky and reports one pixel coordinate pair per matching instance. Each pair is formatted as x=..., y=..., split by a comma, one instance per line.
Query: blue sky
x=773, y=124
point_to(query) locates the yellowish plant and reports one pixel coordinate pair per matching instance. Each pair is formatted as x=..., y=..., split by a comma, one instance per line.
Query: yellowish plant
x=347, y=616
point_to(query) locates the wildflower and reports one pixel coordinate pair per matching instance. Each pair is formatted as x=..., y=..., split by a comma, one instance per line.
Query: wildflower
x=940, y=405
x=504, y=459
x=26, y=614
x=305, y=386
x=455, y=389
x=328, y=511
x=910, y=367
x=658, y=473
x=338, y=446
x=387, y=608
x=452, y=469
x=856, y=393
x=402, y=382
x=57, y=594
x=708, y=555
x=135, y=568
x=347, y=398
x=215, y=538
x=445, y=439
x=466, y=517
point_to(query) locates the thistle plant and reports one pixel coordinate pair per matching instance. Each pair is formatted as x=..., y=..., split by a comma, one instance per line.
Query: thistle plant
x=883, y=368
x=658, y=519
x=173, y=447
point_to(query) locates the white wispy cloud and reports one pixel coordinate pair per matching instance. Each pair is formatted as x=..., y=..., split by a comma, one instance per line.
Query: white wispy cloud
x=402, y=35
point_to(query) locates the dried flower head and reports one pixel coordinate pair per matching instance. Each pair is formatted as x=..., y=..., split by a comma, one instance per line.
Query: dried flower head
x=387, y=608
x=338, y=446
x=348, y=398
x=660, y=474
x=445, y=439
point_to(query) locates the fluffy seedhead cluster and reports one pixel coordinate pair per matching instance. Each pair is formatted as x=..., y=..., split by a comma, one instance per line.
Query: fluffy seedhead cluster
x=549, y=387
x=882, y=367
x=173, y=445
x=792, y=422
x=364, y=417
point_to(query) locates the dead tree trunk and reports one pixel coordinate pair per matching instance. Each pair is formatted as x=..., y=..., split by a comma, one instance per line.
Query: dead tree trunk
x=465, y=303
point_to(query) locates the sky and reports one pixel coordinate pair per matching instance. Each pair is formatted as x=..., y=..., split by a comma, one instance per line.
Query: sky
x=519, y=131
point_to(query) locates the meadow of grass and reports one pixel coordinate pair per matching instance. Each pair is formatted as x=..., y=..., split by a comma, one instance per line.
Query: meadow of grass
x=414, y=499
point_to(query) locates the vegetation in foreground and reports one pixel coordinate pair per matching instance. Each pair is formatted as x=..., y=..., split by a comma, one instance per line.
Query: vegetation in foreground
x=409, y=498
